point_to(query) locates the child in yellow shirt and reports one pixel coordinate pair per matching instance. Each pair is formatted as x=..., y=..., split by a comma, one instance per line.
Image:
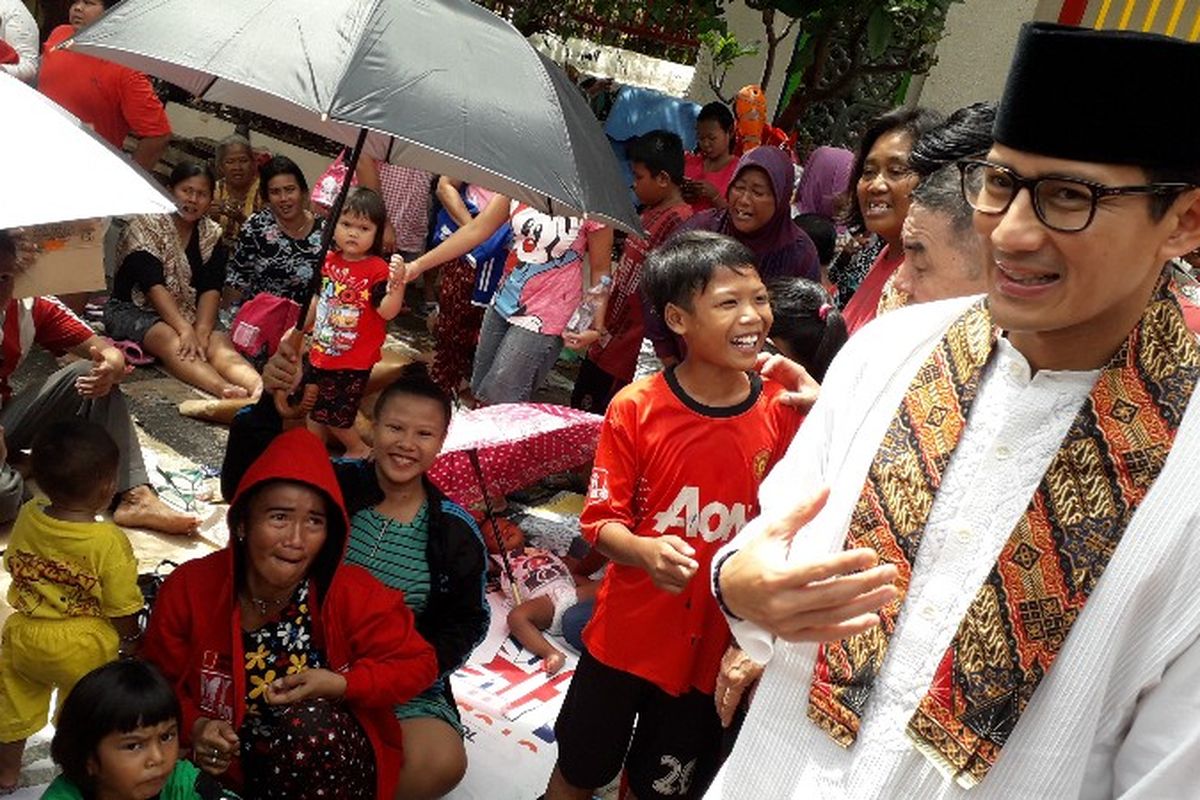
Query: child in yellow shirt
x=74, y=583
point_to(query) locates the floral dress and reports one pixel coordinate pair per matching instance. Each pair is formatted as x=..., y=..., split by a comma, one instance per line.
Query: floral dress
x=266, y=259
x=311, y=748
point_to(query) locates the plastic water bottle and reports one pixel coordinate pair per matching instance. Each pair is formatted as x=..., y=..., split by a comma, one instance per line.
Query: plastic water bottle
x=593, y=298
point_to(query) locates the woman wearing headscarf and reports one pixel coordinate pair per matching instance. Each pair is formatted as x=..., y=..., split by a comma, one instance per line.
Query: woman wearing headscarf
x=759, y=215
x=825, y=180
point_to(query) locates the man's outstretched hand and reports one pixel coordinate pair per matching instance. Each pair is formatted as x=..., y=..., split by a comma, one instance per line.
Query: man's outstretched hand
x=818, y=600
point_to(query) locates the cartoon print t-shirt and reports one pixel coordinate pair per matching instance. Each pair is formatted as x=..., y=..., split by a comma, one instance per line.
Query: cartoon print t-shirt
x=348, y=332
x=537, y=573
x=546, y=283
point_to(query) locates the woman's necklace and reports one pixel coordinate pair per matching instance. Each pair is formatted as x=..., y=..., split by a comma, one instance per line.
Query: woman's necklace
x=265, y=607
x=294, y=231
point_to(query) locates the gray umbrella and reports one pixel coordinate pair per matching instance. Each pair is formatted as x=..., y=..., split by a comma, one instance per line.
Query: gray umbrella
x=443, y=85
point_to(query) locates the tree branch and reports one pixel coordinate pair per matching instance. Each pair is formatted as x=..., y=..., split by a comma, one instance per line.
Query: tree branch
x=768, y=17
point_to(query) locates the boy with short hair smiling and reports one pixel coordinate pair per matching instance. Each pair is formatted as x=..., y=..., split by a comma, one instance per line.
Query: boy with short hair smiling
x=677, y=471
x=657, y=162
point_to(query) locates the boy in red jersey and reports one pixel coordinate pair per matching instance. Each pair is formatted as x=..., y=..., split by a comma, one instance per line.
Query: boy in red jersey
x=677, y=471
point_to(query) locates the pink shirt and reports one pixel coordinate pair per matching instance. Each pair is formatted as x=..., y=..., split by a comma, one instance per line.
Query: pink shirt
x=546, y=283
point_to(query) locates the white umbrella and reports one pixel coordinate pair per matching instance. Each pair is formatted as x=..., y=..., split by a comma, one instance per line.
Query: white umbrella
x=56, y=169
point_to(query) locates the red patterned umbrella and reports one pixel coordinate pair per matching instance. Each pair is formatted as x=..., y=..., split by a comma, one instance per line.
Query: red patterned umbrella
x=516, y=443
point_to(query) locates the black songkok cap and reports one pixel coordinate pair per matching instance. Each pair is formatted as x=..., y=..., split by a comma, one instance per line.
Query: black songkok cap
x=1108, y=97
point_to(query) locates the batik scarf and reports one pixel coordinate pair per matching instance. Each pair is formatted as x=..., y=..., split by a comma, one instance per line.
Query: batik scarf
x=1019, y=619
x=157, y=235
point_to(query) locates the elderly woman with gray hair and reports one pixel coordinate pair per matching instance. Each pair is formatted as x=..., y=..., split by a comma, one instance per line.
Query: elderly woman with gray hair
x=236, y=196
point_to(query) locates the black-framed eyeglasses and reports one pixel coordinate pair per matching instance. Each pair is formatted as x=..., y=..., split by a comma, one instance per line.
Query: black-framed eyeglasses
x=1062, y=204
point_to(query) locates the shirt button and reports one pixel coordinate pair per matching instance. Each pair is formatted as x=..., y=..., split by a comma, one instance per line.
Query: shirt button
x=965, y=535
x=1015, y=370
x=1003, y=452
x=929, y=611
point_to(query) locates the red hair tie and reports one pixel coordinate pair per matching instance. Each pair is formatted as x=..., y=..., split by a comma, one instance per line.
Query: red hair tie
x=823, y=311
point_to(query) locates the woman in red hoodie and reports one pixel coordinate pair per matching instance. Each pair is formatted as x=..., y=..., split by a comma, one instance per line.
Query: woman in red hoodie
x=288, y=664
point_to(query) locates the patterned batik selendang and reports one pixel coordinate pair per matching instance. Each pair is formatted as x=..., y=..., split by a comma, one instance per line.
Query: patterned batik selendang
x=1022, y=614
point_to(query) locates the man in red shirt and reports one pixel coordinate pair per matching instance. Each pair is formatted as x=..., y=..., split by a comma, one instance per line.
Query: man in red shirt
x=114, y=100
x=85, y=388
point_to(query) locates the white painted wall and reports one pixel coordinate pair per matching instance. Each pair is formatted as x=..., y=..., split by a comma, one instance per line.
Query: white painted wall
x=190, y=123
x=975, y=51
x=748, y=25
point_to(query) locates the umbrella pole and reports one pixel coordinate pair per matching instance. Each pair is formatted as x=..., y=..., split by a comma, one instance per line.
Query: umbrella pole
x=283, y=402
x=473, y=455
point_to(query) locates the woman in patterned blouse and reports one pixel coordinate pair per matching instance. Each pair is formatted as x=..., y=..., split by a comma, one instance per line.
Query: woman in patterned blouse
x=277, y=248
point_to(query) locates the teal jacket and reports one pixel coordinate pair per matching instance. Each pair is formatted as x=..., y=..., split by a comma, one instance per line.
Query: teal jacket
x=186, y=783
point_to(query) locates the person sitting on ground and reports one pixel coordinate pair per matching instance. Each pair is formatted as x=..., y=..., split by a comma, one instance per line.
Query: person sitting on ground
x=708, y=171
x=359, y=295
x=168, y=288
x=85, y=388
x=700, y=435
x=411, y=537
x=612, y=348
x=298, y=698
x=74, y=584
x=113, y=100
x=807, y=326
x=117, y=738
x=236, y=196
x=277, y=247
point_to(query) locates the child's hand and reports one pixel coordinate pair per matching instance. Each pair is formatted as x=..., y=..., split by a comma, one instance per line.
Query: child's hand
x=397, y=274
x=738, y=673
x=580, y=342
x=668, y=560
x=553, y=662
x=306, y=684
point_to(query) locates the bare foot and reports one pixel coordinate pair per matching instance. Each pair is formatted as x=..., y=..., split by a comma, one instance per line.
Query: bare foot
x=232, y=392
x=140, y=507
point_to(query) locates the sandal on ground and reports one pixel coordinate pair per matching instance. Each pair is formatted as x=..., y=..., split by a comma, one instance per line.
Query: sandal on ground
x=134, y=355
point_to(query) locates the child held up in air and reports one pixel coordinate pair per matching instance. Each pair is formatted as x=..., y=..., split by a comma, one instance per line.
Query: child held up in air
x=359, y=295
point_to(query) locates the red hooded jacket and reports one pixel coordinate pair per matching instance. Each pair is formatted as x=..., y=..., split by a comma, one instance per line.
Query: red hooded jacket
x=364, y=629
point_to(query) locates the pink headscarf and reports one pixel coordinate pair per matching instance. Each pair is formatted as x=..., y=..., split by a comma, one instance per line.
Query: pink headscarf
x=826, y=176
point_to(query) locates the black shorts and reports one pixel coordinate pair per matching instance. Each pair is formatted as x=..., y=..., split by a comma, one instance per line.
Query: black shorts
x=676, y=741
x=339, y=391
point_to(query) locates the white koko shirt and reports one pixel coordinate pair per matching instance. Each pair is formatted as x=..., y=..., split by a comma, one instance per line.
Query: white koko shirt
x=1118, y=714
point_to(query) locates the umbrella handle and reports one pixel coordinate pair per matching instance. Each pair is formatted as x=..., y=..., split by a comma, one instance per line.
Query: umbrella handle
x=473, y=457
x=335, y=211
x=296, y=405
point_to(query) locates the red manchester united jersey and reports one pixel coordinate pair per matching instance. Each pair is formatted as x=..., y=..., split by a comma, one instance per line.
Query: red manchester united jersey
x=667, y=465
